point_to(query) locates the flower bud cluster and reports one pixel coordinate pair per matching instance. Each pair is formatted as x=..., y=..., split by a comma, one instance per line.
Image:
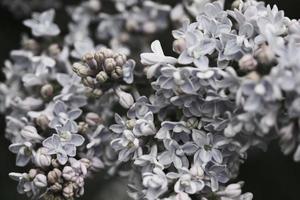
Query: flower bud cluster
x=101, y=70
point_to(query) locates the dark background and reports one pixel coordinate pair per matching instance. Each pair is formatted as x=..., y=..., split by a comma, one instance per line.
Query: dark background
x=268, y=175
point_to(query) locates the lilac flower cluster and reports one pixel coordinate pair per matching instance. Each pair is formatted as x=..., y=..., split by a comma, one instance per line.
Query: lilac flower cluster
x=176, y=127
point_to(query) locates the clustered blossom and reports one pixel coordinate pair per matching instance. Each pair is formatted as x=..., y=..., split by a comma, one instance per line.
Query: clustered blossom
x=42, y=24
x=53, y=129
x=102, y=70
x=177, y=127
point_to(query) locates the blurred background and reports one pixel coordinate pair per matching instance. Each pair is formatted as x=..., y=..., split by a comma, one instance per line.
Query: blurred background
x=268, y=175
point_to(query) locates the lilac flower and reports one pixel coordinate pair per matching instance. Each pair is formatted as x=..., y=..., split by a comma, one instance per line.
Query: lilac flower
x=156, y=59
x=173, y=154
x=180, y=80
x=42, y=24
x=145, y=126
x=120, y=126
x=72, y=92
x=186, y=182
x=24, y=152
x=140, y=108
x=258, y=95
x=191, y=55
x=25, y=185
x=176, y=130
x=149, y=161
x=208, y=147
x=156, y=183
x=218, y=174
x=237, y=45
x=63, y=116
x=63, y=144
x=127, y=145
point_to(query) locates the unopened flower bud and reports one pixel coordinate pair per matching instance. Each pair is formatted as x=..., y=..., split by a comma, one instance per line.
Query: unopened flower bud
x=86, y=162
x=117, y=73
x=40, y=181
x=30, y=132
x=130, y=123
x=179, y=45
x=54, y=50
x=149, y=27
x=68, y=191
x=30, y=44
x=247, y=63
x=99, y=57
x=56, y=187
x=120, y=59
x=94, y=5
x=89, y=59
x=92, y=118
x=192, y=122
x=32, y=173
x=97, y=92
x=124, y=37
x=81, y=70
x=82, y=127
x=68, y=173
x=265, y=54
x=236, y=4
x=79, y=182
x=197, y=171
x=55, y=163
x=54, y=176
x=42, y=121
x=131, y=25
x=102, y=77
x=89, y=81
x=125, y=99
x=108, y=53
x=89, y=90
x=47, y=91
x=41, y=158
x=109, y=64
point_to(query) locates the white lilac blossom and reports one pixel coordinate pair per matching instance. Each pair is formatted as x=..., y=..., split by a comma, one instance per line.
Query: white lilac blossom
x=23, y=151
x=155, y=59
x=61, y=116
x=175, y=125
x=30, y=183
x=156, y=183
x=173, y=154
x=63, y=145
x=42, y=24
x=186, y=182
